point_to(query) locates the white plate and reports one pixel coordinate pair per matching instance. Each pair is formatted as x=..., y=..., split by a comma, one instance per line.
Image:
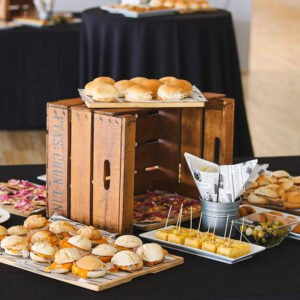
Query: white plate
x=151, y=237
x=4, y=215
x=42, y=178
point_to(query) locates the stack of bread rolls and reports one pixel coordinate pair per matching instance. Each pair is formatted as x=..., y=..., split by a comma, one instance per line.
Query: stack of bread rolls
x=83, y=252
x=278, y=187
x=138, y=89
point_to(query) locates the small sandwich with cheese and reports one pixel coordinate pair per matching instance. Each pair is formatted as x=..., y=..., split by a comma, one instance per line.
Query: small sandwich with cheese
x=63, y=261
x=165, y=79
x=93, y=234
x=44, y=236
x=3, y=232
x=138, y=80
x=152, y=85
x=152, y=254
x=185, y=86
x=63, y=229
x=280, y=174
x=105, y=93
x=43, y=252
x=36, y=223
x=82, y=243
x=89, y=88
x=122, y=85
x=89, y=266
x=15, y=245
x=127, y=261
x=20, y=230
x=104, y=80
x=169, y=92
x=137, y=93
x=128, y=242
x=181, y=5
x=105, y=252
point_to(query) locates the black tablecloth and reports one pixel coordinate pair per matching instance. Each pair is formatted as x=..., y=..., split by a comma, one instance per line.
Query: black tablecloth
x=37, y=65
x=272, y=274
x=198, y=47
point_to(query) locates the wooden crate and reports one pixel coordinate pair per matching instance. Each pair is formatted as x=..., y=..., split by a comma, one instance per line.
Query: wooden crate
x=109, y=155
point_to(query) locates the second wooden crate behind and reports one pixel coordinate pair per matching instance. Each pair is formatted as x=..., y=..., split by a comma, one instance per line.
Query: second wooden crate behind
x=98, y=159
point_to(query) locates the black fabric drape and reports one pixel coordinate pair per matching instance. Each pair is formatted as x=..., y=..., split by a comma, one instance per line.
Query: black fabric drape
x=198, y=47
x=272, y=274
x=37, y=65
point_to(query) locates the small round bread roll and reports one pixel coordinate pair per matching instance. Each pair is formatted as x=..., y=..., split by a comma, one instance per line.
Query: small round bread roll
x=17, y=230
x=104, y=80
x=165, y=79
x=181, y=4
x=89, y=88
x=138, y=80
x=105, y=93
x=193, y=4
x=169, y=3
x=138, y=93
x=185, y=86
x=152, y=85
x=169, y=92
x=122, y=85
x=156, y=3
x=203, y=4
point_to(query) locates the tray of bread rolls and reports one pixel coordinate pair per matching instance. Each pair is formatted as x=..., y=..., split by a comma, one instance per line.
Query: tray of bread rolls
x=80, y=255
x=141, y=92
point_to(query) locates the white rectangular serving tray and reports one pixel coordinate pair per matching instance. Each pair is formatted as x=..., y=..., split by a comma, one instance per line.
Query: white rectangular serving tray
x=213, y=256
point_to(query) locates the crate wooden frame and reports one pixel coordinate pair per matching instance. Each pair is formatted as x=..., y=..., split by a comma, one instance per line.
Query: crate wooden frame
x=82, y=140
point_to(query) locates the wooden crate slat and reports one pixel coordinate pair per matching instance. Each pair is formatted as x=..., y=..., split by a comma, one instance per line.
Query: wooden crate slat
x=81, y=164
x=147, y=128
x=146, y=156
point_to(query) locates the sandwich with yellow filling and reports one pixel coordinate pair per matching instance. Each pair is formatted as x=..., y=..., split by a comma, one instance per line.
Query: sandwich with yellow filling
x=128, y=242
x=105, y=252
x=43, y=252
x=44, y=236
x=82, y=243
x=3, y=232
x=89, y=266
x=36, y=223
x=15, y=245
x=127, y=261
x=20, y=230
x=93, y=234
x=137, y=93
x=63, y=261
x=63, y=229
x=151, y=253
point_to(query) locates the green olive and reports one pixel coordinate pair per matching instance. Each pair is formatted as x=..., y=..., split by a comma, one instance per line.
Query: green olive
x=260, y=234
x=255, y=232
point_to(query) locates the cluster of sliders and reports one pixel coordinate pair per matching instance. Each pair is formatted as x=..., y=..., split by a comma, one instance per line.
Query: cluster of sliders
x=83, y=252
x=180, y=4
x=105, y=89
x=205, y=241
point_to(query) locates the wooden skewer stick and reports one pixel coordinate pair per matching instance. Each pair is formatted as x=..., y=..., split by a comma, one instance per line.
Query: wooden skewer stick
x=226, y=226
x=208, y=225
x=191, y=219
x=242, y=230
x=212, y=238
x=199, y=224
x=180, y=216
x=168, y=216
x=230, y=233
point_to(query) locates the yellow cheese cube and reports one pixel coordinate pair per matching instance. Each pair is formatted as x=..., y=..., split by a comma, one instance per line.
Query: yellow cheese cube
x=176, y=238
x=161, y=234
x=230, y=251
x=209, y=246
x=193, y=242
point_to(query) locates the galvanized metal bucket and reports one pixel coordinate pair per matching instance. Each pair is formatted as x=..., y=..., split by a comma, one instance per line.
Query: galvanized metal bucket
x=219, y=210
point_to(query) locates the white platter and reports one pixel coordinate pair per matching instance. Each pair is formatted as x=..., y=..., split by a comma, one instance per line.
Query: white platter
x=213, y=256
x=4, y=215
x=42, y=178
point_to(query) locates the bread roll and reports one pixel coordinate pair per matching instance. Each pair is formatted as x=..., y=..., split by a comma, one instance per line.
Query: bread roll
x=105, y=93
x=122, y=85
x=104, y=80
x=169, y=92
x=138, y=93
x=152, y=85
x=138, y=80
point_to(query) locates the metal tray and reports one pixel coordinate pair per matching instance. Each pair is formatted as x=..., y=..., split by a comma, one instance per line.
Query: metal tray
x=213, y=256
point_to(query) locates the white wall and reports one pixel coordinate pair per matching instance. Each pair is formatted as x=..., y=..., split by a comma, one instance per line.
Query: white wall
x=241, y=11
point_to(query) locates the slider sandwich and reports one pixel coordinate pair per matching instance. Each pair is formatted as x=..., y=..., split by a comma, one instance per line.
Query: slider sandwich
x=122, y=85
x=181, y=4
x=152, y=85
x=3, y=232
x=104, y=80
x=15, y=245
x=93, y=234
x=63, y=261
x=43, y=252
x=89, y=266
x=128, y=242
x=105, y=93
x=17, y=230
x=105, y=252
x=169, y=92
x=165, y=79
x=185, y=86
x=152, y=254
x=137, y=93
x=44, y=236
x=138, y=80
x=63, y=229
x=36, y=223
x=82, y=243
x=127, y=261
